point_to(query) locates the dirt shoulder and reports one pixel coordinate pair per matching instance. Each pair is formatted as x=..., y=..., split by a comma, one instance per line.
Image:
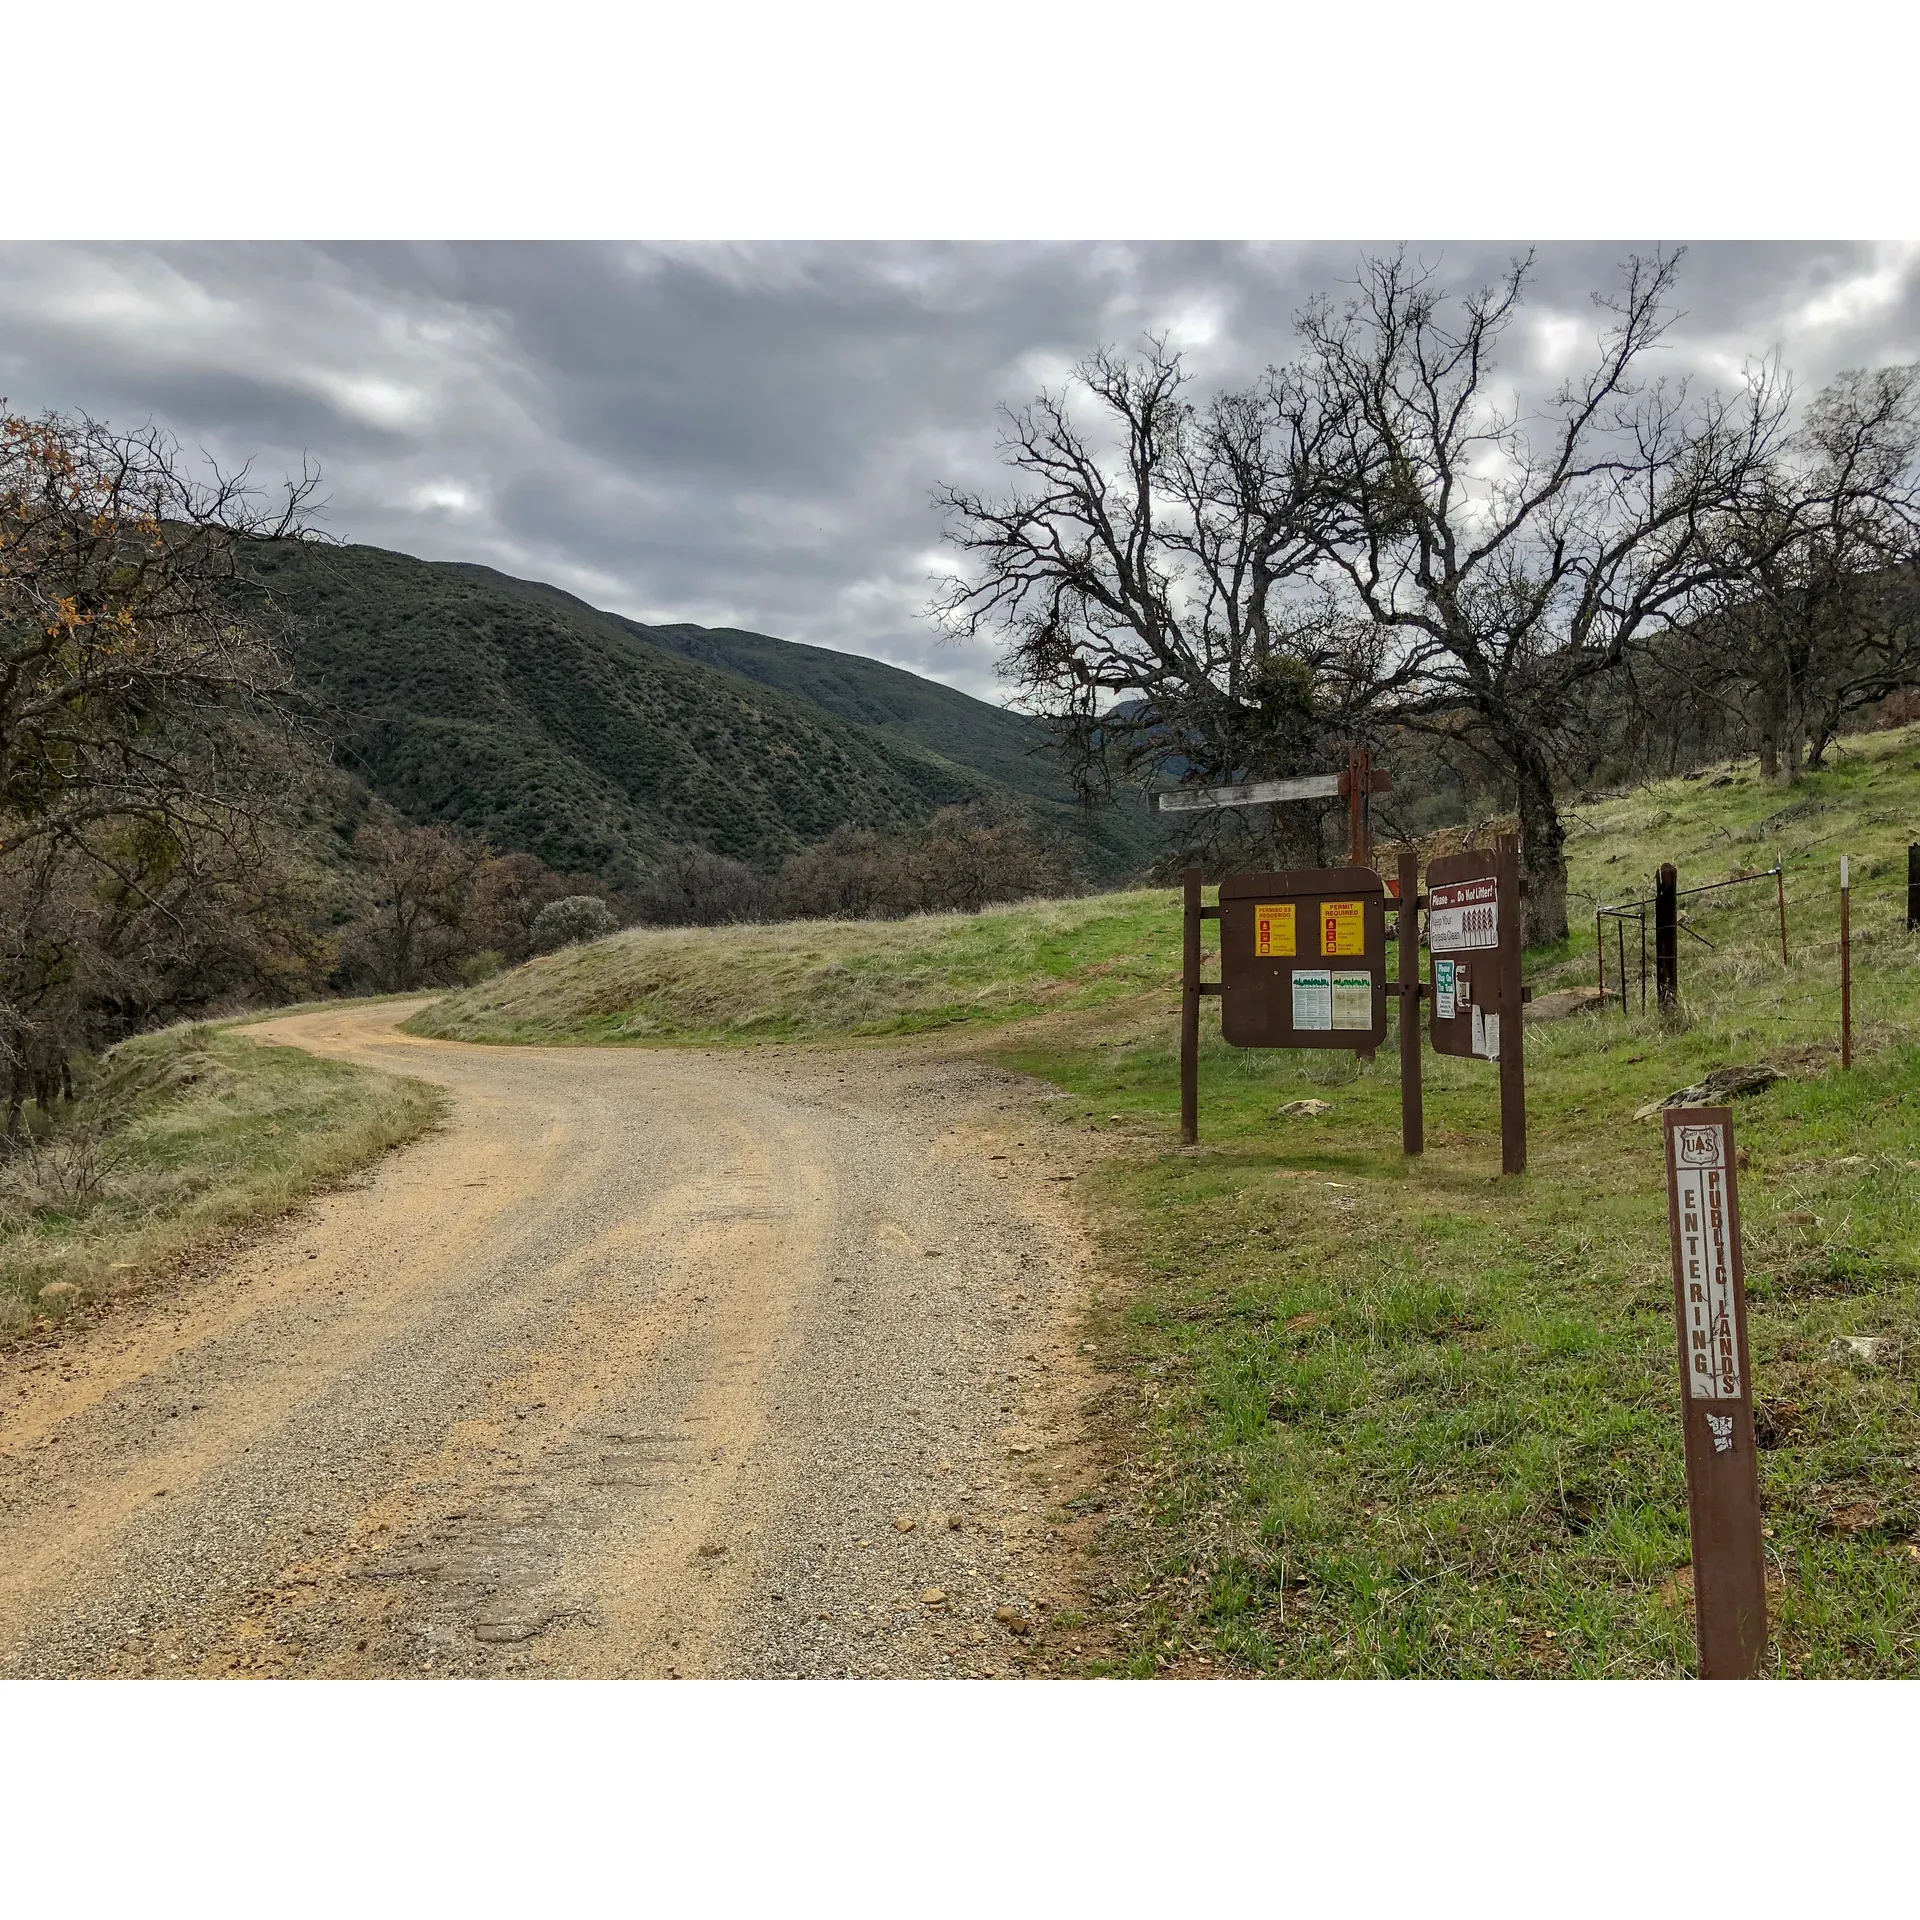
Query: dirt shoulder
x=746, y=1363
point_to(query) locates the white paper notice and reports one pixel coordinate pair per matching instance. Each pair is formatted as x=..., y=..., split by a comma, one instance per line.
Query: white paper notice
x=1312, y=1000
x=1706, y=1261
x=1479, y=1033
x=1443, y=989
x=1352, y=995
x=1490, y=1026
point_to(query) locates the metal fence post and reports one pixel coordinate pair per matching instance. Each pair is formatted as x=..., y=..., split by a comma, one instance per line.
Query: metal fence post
x=1666, y=938
x=1846, y=965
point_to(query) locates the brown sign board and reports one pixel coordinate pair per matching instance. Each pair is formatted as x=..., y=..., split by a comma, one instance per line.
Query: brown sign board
x=1473, y=939
x=1716, y=1393
x=1303, y=959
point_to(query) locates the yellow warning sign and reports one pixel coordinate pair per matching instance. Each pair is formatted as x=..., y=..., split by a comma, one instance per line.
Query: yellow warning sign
x=1273, y=932
x=1343, y=927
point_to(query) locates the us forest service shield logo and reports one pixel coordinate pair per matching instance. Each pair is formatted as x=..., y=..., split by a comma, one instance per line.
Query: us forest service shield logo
x=1699, y=1146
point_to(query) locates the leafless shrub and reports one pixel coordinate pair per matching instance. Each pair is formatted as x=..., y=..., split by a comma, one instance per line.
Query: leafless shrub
x=963, y=859
x=695, y=887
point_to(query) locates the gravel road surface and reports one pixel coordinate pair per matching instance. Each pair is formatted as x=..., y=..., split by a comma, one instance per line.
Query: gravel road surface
x=651, y=1363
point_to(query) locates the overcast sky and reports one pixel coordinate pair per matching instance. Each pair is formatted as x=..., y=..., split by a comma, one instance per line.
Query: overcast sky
x=748, y=435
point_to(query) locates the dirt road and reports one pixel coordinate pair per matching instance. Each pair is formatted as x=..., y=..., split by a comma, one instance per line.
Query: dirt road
x=642, y=1366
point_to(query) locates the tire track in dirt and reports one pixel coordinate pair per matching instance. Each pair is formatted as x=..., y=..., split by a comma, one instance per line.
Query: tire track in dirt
x=650, y=1363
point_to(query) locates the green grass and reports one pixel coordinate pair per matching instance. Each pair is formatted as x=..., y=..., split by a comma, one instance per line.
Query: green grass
x=185, y=1138
x=1411, y=1418
x=809, y=980
x=1391, y=1417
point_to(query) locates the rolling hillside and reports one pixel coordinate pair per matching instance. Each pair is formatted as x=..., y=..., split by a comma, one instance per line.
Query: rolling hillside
x=519, y=712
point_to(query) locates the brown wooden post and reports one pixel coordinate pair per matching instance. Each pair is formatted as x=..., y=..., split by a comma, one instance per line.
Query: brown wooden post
x=1413, y=1116
x=1846, y=966
x=1780, y=884
x=1190, y=1011
x=1513, y=1072
x=1666, y=938
x=1716, y=1394
x=1600, y=953
x=1913, y=889
x=1359, y=780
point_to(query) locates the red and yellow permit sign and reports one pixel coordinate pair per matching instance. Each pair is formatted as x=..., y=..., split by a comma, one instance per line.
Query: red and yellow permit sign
x=1273, y=934
x=1343, y=927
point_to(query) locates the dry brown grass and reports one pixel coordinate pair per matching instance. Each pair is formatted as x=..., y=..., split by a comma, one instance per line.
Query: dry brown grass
x=187, y=1138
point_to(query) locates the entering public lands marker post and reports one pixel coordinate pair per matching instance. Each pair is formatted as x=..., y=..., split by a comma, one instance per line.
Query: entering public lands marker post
x=1716, y=1394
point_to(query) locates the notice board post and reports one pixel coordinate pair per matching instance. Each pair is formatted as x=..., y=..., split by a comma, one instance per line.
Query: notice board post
x=1413, y=1118
x=1716, y=1394
x=1474, y=946
x=1190, y=1010
x=1513, y=1070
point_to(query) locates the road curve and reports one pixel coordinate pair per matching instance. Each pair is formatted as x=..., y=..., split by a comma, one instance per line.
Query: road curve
x=650, y=1363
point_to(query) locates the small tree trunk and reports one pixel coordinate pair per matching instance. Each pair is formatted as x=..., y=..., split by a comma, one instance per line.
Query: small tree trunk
x=1543, y=855
x=1793, y=730
x=1787, y=770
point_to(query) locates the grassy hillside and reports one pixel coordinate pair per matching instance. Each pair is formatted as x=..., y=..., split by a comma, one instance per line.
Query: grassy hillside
x=809, y=980
x=519, y=712
x=1391, y=1417
x=187, y=1137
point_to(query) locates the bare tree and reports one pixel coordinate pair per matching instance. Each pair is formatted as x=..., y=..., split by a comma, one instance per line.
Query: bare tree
x=962, y=859
x=1509, y=560
x=136, y=715
x=117, y=568
x=1136, y=576
x=1373, y=536
x=424, y=879
x=1819, y=610
x=967, y=857
x=692, y=886
x=507, y=896
x=103, y=935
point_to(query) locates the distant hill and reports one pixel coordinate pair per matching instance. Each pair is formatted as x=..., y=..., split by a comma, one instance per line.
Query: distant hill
x=1012, y=749
x=517, y=711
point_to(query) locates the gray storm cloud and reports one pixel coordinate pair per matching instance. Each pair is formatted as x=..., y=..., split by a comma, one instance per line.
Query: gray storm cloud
x=748, y=435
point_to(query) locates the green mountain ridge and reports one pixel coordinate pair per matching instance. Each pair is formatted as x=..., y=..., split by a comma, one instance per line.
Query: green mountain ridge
x=513, y=709
x=1013, y=749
